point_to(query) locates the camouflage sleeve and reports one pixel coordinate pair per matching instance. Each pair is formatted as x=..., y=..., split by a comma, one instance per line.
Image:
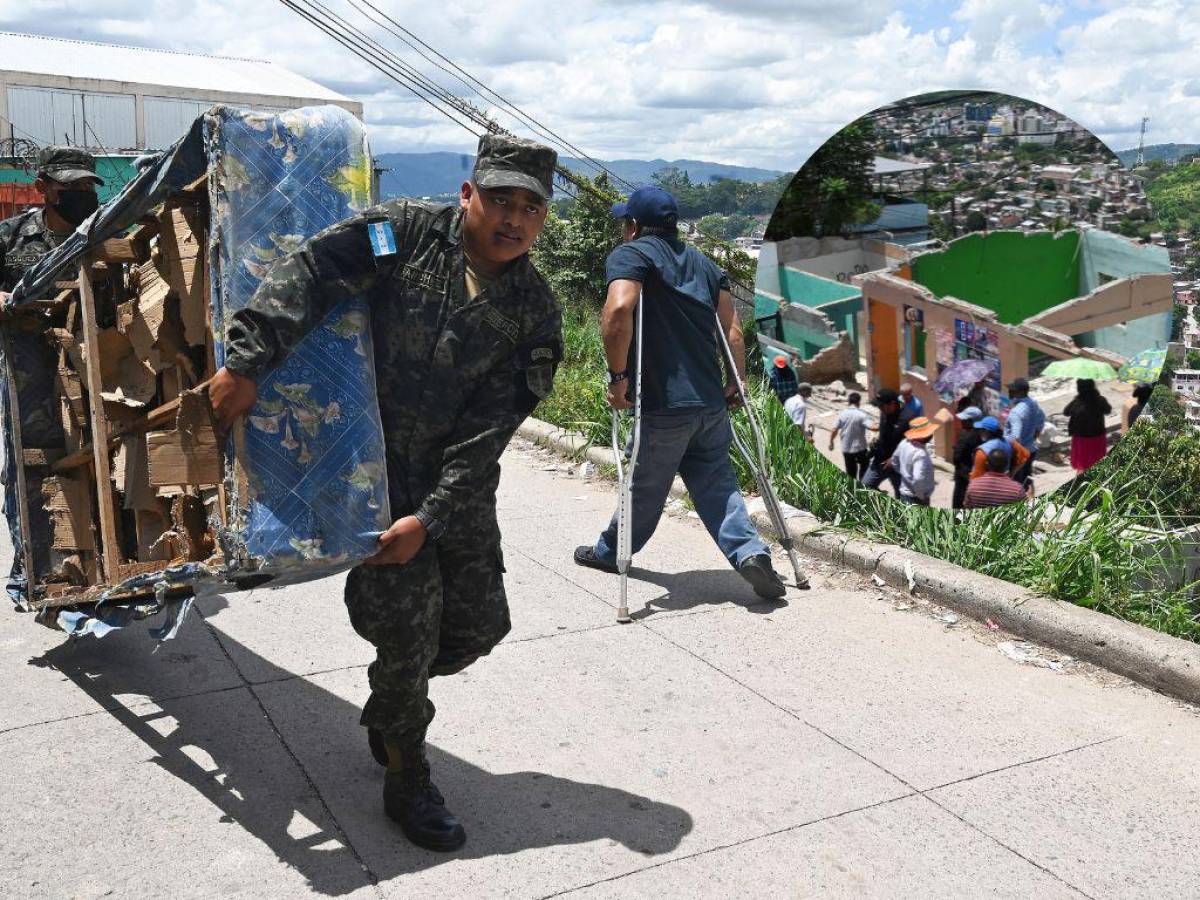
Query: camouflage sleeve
x=297, y=294
x=489, y=420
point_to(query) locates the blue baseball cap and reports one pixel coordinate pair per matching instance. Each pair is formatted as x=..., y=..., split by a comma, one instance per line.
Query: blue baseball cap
x=649, y=205
x=989, y=423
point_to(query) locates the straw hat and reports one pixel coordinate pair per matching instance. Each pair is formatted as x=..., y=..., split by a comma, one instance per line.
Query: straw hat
x=921, y=428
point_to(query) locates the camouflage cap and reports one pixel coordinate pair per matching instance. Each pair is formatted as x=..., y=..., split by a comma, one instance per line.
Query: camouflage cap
x=504, y=161
x=67, y=164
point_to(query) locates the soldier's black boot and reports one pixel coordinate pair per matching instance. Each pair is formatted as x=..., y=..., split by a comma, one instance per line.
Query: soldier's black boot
x=378, y=747
x=414, y=802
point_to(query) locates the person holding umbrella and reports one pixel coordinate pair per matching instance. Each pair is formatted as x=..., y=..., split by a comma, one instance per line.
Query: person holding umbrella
x=1085, y=424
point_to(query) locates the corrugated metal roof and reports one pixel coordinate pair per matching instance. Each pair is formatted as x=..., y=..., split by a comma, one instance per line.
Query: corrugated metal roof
x=885, y=166
x=35, y=54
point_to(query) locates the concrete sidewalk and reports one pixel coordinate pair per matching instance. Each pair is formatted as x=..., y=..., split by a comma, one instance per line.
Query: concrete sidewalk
x=850, y=743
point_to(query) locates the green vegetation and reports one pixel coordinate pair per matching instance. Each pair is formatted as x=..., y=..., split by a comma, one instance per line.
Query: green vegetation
x=722, y=196
x=572, y=247
x=580, y=234
x=1086, y=545
x=1174, y=194
x=832, y=190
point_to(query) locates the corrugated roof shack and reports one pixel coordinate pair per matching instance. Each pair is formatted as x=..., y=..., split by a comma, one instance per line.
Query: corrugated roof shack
x=127, y=497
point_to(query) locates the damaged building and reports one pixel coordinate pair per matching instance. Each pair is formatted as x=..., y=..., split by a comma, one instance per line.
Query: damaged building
x=1018, y=301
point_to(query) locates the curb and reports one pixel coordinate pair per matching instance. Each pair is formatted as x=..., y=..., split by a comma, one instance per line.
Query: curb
x=1163, y=663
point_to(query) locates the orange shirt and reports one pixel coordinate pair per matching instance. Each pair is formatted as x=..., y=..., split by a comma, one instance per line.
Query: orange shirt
x=1020, y=457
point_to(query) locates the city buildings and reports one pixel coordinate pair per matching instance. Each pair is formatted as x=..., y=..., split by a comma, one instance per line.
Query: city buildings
x=1186, y=383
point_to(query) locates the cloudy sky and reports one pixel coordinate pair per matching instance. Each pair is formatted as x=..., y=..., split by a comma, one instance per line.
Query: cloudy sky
x=753, y=82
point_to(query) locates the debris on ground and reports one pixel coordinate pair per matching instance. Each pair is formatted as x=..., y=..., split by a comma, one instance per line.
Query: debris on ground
x=947, y=617
x=1028, y=654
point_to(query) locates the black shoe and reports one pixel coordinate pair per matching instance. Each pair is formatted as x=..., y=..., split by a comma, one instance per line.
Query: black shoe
x=378, y=747
x=762, y=577
x=586, y=556
x=414, y=802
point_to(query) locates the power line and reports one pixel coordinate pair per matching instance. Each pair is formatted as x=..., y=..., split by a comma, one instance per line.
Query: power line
x=480, y=89
x=386, y=62
x=362, y=48
x=391, y=66
x=364, y=42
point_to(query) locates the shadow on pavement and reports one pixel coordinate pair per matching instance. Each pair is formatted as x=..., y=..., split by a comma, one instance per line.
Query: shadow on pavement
x=504, y=813
x=688, y=590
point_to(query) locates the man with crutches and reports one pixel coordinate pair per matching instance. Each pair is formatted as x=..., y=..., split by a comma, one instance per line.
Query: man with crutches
x=668, y=321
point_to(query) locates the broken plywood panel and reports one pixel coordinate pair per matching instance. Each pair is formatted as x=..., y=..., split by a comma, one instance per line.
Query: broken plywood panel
x=190, y=521
x=114, y=349
x=69, y=503
x=181, y=261
x=151, y=320
x=134, y=379
x=189, y=454
x=156, y=539
x=135, y=474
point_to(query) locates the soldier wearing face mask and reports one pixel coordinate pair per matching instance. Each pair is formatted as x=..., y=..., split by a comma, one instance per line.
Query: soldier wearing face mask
x=66, y=178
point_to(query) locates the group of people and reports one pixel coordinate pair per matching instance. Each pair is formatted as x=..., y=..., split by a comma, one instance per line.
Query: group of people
x=993, y=461
x=467, y=337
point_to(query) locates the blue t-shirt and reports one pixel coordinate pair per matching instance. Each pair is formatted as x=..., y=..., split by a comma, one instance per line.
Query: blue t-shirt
x=680, y=285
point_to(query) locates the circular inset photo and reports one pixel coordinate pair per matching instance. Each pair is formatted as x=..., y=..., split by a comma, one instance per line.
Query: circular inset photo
x=959, y=302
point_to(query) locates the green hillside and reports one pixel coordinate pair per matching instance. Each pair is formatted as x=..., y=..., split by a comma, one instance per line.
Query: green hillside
x=1175, y=197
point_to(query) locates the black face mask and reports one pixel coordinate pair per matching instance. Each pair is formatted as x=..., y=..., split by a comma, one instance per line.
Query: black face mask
x=75, y=206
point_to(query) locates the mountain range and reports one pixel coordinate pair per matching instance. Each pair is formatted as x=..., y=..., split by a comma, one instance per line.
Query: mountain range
x=1167, y=152
x=433, y=174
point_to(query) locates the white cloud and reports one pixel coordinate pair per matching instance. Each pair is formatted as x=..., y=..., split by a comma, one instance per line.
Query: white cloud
x=757, y=82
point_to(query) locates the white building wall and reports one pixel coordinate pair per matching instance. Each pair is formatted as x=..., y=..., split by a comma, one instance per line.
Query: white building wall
x=84, y=119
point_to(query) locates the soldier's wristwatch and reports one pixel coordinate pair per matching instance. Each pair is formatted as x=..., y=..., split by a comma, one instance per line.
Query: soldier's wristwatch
x=434, y=528
x=614, y=377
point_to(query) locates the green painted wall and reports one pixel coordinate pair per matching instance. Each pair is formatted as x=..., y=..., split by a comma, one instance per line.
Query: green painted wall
x=845, y=315
x=812, y=290
x=1012, y=274
x=808, y=342
x=116, y=171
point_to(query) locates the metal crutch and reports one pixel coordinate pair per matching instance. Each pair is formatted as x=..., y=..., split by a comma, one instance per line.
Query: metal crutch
x=759, y=467
x=625, y=473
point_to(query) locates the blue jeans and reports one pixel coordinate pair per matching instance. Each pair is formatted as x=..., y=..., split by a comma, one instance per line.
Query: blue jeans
x=876, y=475
x=696, y=445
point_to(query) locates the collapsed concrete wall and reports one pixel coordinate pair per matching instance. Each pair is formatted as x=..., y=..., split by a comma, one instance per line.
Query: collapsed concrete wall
x=839, y=362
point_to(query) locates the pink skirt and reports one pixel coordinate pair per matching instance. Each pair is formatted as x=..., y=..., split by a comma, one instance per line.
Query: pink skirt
x=1087, y=451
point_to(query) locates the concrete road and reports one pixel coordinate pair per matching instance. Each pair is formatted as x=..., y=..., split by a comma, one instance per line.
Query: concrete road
x=848, y=743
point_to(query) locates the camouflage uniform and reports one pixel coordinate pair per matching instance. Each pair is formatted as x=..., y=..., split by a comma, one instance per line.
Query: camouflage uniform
x=455, y=378
x=24, y=239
